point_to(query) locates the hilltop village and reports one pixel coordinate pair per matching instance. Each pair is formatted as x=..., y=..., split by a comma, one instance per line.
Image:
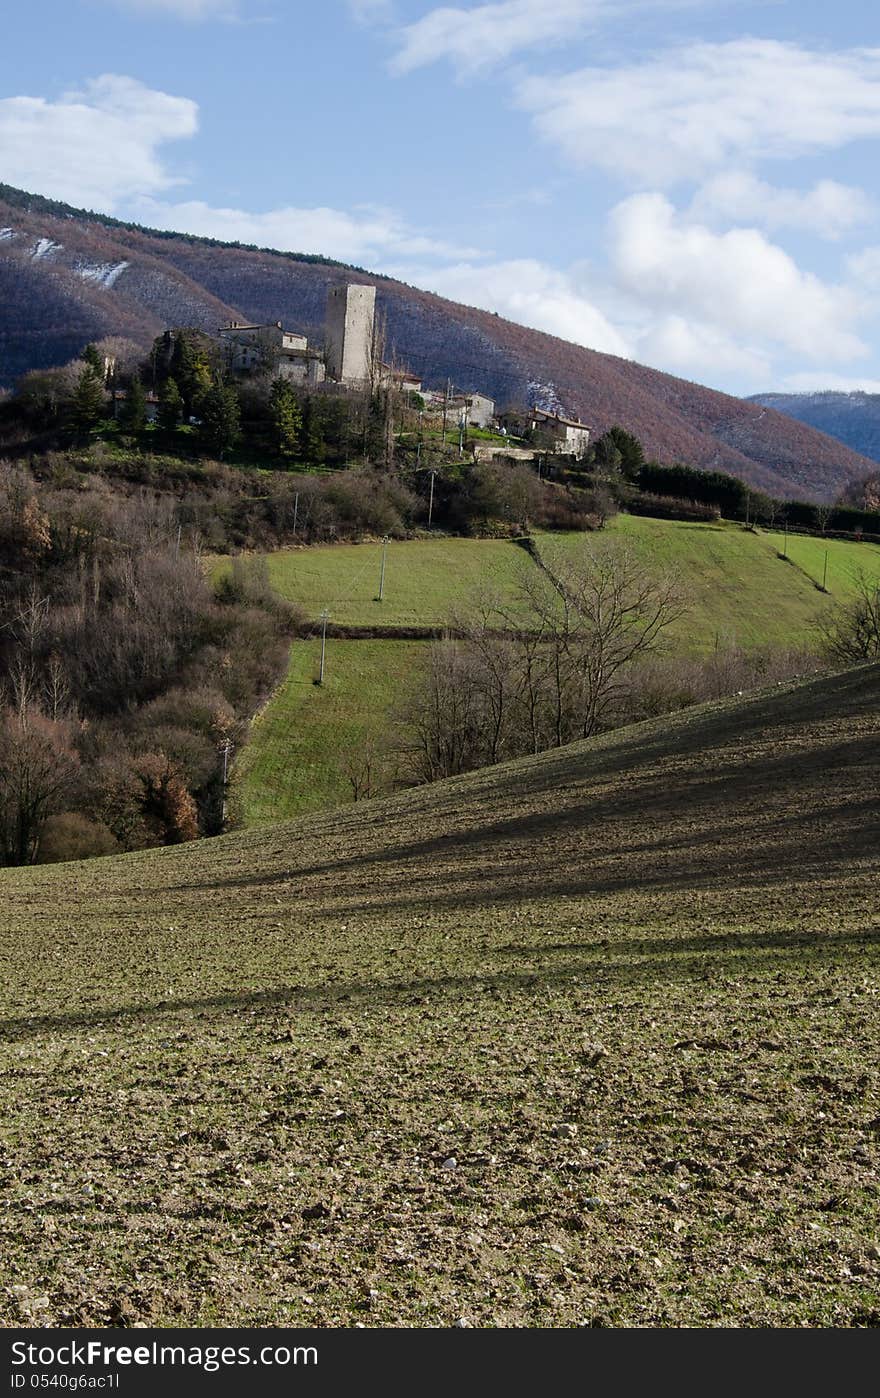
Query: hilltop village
x=352, y=361
x=353, y=358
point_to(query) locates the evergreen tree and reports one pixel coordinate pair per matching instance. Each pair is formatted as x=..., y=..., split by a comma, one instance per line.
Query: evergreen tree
x=91, y=355
x=191, y=370
x=375, y=436
x=87, y=401
x=607, y=455
x=133, y=413
x=170, y=406
x=619, y=450
x=161, y=356
x=286, y=418
x=312, y=444
x=221, y=418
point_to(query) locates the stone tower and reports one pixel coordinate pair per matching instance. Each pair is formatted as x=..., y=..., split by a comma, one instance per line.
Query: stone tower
x=351, y=312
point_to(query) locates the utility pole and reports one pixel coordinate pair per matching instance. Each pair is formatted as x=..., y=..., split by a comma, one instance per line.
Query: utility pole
x=295, y=510
x=431, y=499
x=226, y=750
x=324, y=619
x=382, y=572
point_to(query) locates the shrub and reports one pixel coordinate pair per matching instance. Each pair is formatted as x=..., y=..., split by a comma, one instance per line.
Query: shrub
x=72, y=835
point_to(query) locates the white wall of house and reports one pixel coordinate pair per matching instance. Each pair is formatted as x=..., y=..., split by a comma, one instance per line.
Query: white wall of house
x=481, y=410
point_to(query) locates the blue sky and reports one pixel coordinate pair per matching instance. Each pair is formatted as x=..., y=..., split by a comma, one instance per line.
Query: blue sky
x=690, y=183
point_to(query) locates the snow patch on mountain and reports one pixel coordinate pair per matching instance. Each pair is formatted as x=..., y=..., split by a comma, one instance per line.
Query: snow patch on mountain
x=544, y=396
x=6, y=233
x=106, y=274
x=43, y=247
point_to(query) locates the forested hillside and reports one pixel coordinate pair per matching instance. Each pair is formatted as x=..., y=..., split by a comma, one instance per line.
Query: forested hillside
x=853, y=418
x=67, y=277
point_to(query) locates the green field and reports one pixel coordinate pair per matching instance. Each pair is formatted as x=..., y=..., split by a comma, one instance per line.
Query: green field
x=739, y=590
x=588, y=1039
x=299, y=745
x=846, y=561
x=425, y=580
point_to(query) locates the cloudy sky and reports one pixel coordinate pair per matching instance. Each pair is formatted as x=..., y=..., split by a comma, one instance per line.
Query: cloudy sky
x=690, y=183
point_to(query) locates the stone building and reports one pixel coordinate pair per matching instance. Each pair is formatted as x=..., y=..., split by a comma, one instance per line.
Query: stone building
x=351, y=318
x=480, y=410
x=401, y=379
x=567, y=436
x=273, y=350
x=474, y=408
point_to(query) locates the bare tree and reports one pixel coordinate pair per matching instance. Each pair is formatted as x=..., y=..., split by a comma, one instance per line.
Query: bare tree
x=601, y=610
x=56, y=689
x=442, y=716
x=519, y=679
x=851, y=632
x=823, y=515
x=38, y=768
x=362, y=767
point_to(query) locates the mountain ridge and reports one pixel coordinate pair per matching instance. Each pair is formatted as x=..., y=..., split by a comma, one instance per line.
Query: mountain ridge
x=851, y=417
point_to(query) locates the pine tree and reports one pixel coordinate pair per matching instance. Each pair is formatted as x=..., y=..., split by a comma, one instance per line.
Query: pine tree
x=619, y=450
x=170, y=406
x=312, y=443
x=87, y=401
x=221, y=418
x=191, y=371
x=92, y=355
x=133, y=413
x=376, y=433
x=286, y=418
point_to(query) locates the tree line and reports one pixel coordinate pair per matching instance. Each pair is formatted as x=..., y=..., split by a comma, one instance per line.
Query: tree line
x=124, y=675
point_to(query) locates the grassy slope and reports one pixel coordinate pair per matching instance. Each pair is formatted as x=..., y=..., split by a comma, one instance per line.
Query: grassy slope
x=631, y=987
x=740, y=592
x=739, y=588
x=846, y=561
x=424, y=580
x=295, y=760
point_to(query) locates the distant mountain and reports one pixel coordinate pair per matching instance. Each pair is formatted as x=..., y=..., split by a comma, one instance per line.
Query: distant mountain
x=853, y=418
x=67, y=277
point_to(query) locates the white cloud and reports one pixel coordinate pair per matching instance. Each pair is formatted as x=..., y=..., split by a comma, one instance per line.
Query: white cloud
x=691, y=110
x=701, y=352
x=182, y=9
x=864, y=268
x=736, y=283
x=485, y=35
x=364, y=235
x=829, y=209
x=96, y=147
x=818, y=382
x=528, y=292
x=480, y=37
